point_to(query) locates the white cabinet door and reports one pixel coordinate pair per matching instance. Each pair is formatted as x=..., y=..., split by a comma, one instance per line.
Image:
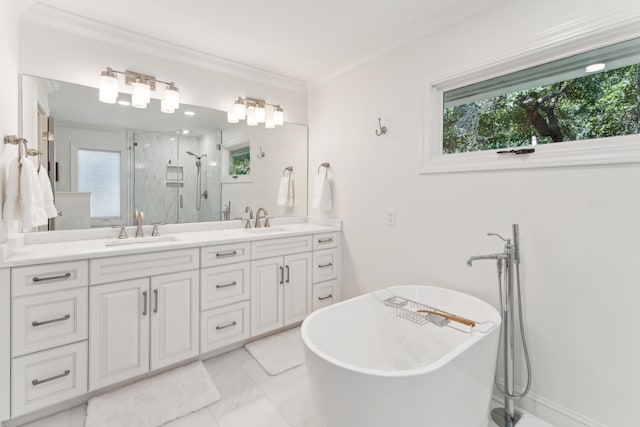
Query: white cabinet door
x=118, y=332
x=175, y=318
x=267, y=281
x=297, y=287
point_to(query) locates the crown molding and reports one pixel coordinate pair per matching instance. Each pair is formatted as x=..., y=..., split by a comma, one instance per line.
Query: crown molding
x=79, y=25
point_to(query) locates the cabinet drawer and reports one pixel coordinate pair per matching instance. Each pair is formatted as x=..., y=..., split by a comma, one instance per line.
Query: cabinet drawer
x=325, y=265
x=324, y=294
x=46, y=378
x=325, y=241
x=49, y=277
x=223, y=326
x=225, y=254
x=49, y=320
x=224, y=285
x=113, y=269
x=278, y=247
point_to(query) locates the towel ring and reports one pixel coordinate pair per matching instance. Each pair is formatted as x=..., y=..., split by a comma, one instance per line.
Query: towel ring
x=288, y=168
x=324, y=165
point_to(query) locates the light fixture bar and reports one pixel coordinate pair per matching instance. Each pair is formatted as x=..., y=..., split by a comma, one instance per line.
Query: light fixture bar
x=254, y=110
x=143, y=85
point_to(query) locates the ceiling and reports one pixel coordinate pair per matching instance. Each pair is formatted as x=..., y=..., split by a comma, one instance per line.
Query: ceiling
x=302, y=39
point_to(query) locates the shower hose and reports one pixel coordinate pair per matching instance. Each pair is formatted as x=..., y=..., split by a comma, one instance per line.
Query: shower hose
x=515, y=396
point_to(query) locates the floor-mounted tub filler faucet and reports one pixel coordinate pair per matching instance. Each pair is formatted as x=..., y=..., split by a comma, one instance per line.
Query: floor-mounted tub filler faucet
x=508, y=261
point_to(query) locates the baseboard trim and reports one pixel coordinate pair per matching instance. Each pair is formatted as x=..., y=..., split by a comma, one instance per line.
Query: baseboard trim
x=549, y=411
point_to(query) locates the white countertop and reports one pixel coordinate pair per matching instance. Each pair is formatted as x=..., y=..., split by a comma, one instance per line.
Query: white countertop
x=43, y=251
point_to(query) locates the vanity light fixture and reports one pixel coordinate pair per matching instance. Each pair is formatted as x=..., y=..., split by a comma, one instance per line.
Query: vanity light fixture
x=142, y=85
x=256, y=111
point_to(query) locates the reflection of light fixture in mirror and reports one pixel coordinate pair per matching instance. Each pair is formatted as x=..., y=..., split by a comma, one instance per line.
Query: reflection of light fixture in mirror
x=256, y=111
x=594, y=68
x=108, y=86
x=185, y=131
x=142, y=85
x=189, y=113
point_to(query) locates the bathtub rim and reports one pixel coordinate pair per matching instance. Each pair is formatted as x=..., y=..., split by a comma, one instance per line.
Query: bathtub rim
x=444, y=360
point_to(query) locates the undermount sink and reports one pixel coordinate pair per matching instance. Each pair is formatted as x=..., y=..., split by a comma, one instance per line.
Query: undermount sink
x=263, y=230
x=140, y=240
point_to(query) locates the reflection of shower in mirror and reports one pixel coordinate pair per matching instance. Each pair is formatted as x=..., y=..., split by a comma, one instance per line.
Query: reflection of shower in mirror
x=199, y=193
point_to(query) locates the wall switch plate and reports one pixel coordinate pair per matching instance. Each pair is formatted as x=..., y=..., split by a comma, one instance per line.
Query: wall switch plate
x=391, y=217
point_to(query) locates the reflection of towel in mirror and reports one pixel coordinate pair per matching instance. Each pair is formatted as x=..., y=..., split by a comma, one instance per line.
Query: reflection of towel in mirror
x=47, y=194
x=33, y=212
x=11, y=207
x=322, y=193
x=285, y=192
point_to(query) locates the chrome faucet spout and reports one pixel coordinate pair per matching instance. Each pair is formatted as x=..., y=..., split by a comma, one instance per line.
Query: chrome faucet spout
x=500, y=256
x=264, y=211
x=138, y=216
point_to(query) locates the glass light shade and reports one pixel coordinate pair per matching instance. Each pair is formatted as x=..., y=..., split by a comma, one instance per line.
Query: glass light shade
x=269, y=124
x=108, y=87
x=278, y=116
x=136, y=103
x=172, y=97
x=261, y=114
x=240, y=109
x=231, y=117
x=141, y=93
x=251, y=116
x=166, y=108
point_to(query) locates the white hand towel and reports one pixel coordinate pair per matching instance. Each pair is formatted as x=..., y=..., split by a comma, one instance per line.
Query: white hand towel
x=47, y=194
x=11, y=208
x=285, y=192
x=322, y=193
x=33, y=212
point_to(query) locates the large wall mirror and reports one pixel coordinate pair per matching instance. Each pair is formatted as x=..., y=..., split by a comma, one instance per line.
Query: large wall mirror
x=105, y=160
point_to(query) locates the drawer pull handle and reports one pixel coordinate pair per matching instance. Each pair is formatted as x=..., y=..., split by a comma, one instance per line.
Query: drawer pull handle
x=226, y=285
x=46, y=322
x=324, y=298
x=226, y=254
x=288, y=274
x=325, y=265
x=144, y=298
x=327, y=240
x=38, y=382
x=155, y=308
x=228, y=325
x=44, y=279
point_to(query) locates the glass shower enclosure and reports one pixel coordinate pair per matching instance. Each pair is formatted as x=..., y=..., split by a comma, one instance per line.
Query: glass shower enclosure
x=175, y=176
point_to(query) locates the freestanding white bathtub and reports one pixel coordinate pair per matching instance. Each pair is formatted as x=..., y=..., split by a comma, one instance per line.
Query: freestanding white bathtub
x=369, y=368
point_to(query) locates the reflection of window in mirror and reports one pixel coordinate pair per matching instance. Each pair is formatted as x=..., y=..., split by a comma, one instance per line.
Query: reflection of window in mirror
x=236, y=158
x=99, y=174
x=240, y=161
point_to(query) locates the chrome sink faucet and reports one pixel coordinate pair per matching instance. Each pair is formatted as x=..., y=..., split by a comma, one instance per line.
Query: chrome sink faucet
x=266, y=220
x=138, y=216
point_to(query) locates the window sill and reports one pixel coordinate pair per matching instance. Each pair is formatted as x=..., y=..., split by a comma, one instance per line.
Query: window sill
x=615, y=150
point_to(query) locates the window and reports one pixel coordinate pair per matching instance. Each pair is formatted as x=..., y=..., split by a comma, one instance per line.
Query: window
x=99, y=174
x=578, y=110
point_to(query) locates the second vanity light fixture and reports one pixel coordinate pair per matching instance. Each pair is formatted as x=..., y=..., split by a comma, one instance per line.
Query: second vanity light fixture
x=142, y=85
x=256, y=111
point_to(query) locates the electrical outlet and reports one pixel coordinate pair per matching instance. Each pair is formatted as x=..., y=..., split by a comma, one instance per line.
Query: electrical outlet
x=391, y=217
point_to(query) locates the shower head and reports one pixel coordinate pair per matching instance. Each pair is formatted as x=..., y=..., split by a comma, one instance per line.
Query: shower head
x=195, y=155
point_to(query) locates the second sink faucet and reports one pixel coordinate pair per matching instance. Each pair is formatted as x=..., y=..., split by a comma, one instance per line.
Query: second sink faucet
x=138, y=216
x=266, y=220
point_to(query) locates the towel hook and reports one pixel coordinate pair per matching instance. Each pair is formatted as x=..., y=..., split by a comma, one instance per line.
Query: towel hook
x=261, y=154
x=288, y=168
x=382, y=129
x=324, y=165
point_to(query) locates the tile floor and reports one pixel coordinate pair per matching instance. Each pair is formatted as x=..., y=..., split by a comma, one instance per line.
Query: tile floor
x=250, y=398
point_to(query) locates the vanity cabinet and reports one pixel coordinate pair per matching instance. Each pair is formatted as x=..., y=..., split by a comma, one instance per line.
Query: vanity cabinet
x=80, y=325
x=280, y=285
x=141, y=325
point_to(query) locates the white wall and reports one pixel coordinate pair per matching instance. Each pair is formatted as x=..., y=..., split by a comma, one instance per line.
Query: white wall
x=580, y=226
x=9, y=91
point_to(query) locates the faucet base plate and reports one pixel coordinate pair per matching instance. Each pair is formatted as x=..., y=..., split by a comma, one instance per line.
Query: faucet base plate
x=500, y=417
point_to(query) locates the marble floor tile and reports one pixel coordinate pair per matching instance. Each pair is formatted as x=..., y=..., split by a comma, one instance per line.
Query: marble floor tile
x=260, y=413
x=201, y=418
x=236, y=387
